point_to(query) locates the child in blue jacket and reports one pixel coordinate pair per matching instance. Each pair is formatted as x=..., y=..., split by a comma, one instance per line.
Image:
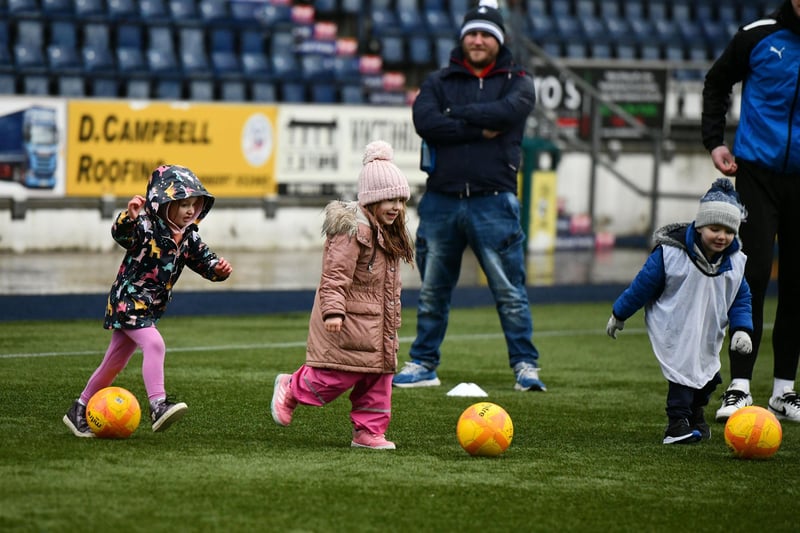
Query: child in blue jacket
x=693, y=289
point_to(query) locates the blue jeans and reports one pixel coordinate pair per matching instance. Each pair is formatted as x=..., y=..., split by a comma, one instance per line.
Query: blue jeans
x=490, y=226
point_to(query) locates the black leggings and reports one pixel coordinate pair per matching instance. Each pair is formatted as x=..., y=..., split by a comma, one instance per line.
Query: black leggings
x=773, y=204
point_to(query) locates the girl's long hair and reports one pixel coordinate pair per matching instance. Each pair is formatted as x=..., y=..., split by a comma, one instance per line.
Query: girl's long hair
x=396, y=236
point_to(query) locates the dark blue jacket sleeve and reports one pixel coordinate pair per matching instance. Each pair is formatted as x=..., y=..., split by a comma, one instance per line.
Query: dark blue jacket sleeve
x=740, y=315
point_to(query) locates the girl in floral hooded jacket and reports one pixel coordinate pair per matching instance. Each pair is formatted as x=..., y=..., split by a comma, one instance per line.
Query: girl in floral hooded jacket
x=159, y=234
x=352, y=337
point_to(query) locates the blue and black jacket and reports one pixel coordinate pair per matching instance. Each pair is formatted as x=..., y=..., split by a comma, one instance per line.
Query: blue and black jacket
x=765, y=56
x=452, y=109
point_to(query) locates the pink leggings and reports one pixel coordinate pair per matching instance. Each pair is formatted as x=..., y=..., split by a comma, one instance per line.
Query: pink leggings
x=371, y=397
x=123, y=344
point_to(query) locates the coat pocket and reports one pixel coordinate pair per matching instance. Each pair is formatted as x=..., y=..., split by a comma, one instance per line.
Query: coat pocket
x=362, y=329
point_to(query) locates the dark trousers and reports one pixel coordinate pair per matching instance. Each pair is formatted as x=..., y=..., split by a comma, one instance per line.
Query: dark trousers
x=773, y=204
x=682, y=401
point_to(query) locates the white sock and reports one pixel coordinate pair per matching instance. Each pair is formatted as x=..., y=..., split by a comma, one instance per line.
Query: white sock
x=778, y=386
x=155, y=401
x=741, y=384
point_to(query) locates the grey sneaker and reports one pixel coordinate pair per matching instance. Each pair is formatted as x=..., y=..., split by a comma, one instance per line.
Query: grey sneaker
x=527, y=378
x=786, y=406
x=75, y=419
x=732, y=400
x=165, y=413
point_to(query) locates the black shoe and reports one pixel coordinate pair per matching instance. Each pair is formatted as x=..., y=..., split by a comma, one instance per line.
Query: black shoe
x=75, y=419
x=698, y=421
x=165, y=413
x=679, y=432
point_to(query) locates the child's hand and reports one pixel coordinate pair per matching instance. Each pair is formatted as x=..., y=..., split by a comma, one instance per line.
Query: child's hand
x=333, y=324
x=740, y=342
x=223, y=268
x=135, y=206
x=613, y=326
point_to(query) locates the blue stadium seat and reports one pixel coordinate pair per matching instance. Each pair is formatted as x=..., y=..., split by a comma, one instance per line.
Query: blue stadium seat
x=62, y=52
x=153, y=10
x=285, y=66
x=253, y=56
x=609, y=8
x=393, y=49
x=419, y=50
x=326, y=7
x=23, y=7
x=439, y=21
x=585, y=8
x=263, y=91
x=96, y=51
x=201, y=89
x=70, y=86
x=351, y=93
x=224, y=58
x=137, y=88
x=324, y=93
x=130, y=49
x=383, y=17
x=214, y=11
x=345, y=69
x=274, y=15
x=29, y=47
x=666, y=31
x=103, y=87
x=160, y=52
x=726, y=12
x=657, y=9
x=168, y=88
x=57, y=9
x=316, y=67
x=36, y=85
x=442, y=46
x=122, y=10
x=233, y=91
x=192, y=50
x=634, y=9
x=681, y=10
x=184, y=12
x=534, y=7
x=87, y=10
x=8, y=83
x=293, y=92
x=409, y=16
x=352, y=7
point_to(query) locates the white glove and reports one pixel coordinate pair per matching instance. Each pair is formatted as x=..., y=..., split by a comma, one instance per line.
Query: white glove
x=613, y=326
x=740, y=342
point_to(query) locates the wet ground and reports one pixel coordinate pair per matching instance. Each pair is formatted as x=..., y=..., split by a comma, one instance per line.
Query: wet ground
x=55, y=273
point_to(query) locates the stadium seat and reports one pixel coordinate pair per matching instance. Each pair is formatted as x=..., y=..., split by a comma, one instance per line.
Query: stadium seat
x=326, y=7
x=168, y=88
x=345, y=69
x=293, y=92
x=70, y=86
x=393, y=49
x=273, y=16
x=103, y=87
x=263, y=91
x=201, y=89
x=323, y=93
x=681, y=10
x=609, y=8
x=122, y=10
x=62, y=52
x=214, y=11
x=22, y=8
x=96, y=51
x=86, y=10
x=184, y=12
x=137, y=88
x=657, y=9
x=409, y=16
x=316, y=67
x=442, y=47
x=352, y=94
x=29, y=47
x=224, y=58
x=57, y=9
x=192, y=50
x=8, y=83
x=233, y=91
x=352, y=7
x=36, y=84
x=161, y=54
x=585, y=8
x=153, y=10
x=419, y=50
x=383, y=17
x=252, y=54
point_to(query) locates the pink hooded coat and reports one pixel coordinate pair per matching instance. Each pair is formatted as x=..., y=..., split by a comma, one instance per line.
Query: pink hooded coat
x=361, y=283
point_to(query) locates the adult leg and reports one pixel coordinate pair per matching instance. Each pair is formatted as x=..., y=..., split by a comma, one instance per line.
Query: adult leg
x=496, y=237
x=757, y=233
x=440, y=246
x=785, y=340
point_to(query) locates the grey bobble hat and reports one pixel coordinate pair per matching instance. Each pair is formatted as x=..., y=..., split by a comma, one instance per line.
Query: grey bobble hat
x=486, y=17
x=721, y=206
x=380, y=179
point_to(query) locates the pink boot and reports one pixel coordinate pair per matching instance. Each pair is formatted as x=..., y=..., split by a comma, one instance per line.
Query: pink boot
x=283, y=403
x=365, y=439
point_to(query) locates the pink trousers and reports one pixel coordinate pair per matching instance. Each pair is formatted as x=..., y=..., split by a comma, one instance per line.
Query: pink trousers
x=371, y=397
x=120, y=350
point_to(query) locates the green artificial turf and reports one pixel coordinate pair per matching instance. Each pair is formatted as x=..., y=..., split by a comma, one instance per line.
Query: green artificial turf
x=586, y=454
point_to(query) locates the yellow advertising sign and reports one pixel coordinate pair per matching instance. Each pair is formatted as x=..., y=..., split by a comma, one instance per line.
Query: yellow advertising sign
x=113, y=147
x=544, y=212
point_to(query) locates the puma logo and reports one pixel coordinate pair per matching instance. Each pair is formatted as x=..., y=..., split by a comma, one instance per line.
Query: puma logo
x=778, y=52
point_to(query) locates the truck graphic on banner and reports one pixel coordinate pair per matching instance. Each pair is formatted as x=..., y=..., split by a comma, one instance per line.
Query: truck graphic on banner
x=29, y=147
